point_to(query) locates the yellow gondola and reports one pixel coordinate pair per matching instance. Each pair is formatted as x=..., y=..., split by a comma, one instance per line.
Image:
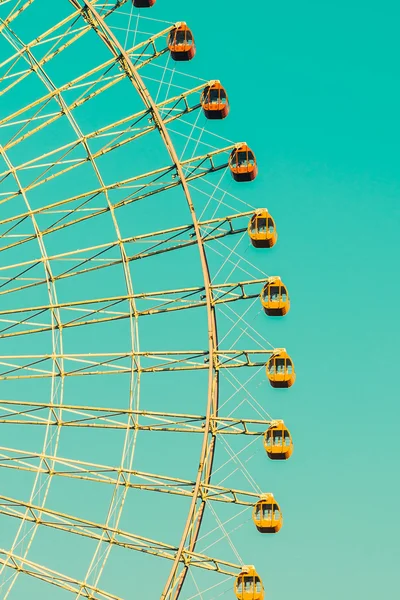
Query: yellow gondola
x=248, y=585
x=214, y=101
x=262, y=229
x=278, y=442
x=275, y=298
x=267, y=515
x=243, y=164
x=280, y=369
x=181, y=43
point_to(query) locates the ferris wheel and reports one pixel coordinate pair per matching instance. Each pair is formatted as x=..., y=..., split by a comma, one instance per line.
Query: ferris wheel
x=131, y=354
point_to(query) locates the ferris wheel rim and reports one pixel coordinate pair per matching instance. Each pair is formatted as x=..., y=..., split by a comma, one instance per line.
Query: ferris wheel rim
x=208, y=448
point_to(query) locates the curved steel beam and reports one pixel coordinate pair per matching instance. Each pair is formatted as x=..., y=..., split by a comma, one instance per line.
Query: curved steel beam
x=191, y=530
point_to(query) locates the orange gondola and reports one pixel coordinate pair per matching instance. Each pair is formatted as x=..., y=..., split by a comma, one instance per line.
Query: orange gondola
x=143, y=3
x=278, y=442
x=248, y=585
x=243, y=164
x=267, y=515
x=275, y=298
x=214, y=101
x=280, y=369
x=181, y=43
x=262, y=230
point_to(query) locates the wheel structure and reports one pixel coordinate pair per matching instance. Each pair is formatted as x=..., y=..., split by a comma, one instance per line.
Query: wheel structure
x=133, y=364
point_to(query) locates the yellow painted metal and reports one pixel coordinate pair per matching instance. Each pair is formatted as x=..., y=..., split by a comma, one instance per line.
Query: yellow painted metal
x=267, y=515
x=275, y=298
x=278, y=442
x=280, y=369
x=248, y=585
x=262, y=229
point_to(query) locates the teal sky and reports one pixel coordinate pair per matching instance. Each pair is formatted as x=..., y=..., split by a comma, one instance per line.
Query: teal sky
x=314, y=90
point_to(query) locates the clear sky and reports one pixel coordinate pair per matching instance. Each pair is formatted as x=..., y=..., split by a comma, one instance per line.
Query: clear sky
x=314, y=90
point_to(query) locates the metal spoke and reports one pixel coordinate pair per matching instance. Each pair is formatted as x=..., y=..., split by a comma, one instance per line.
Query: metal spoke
x=36, y=366
x=75, y=415
x=74, y=525
x=115, y=308
x=56, y=466
x=161, y=241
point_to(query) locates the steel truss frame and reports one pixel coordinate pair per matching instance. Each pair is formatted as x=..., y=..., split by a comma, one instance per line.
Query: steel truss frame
x=134, y=362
